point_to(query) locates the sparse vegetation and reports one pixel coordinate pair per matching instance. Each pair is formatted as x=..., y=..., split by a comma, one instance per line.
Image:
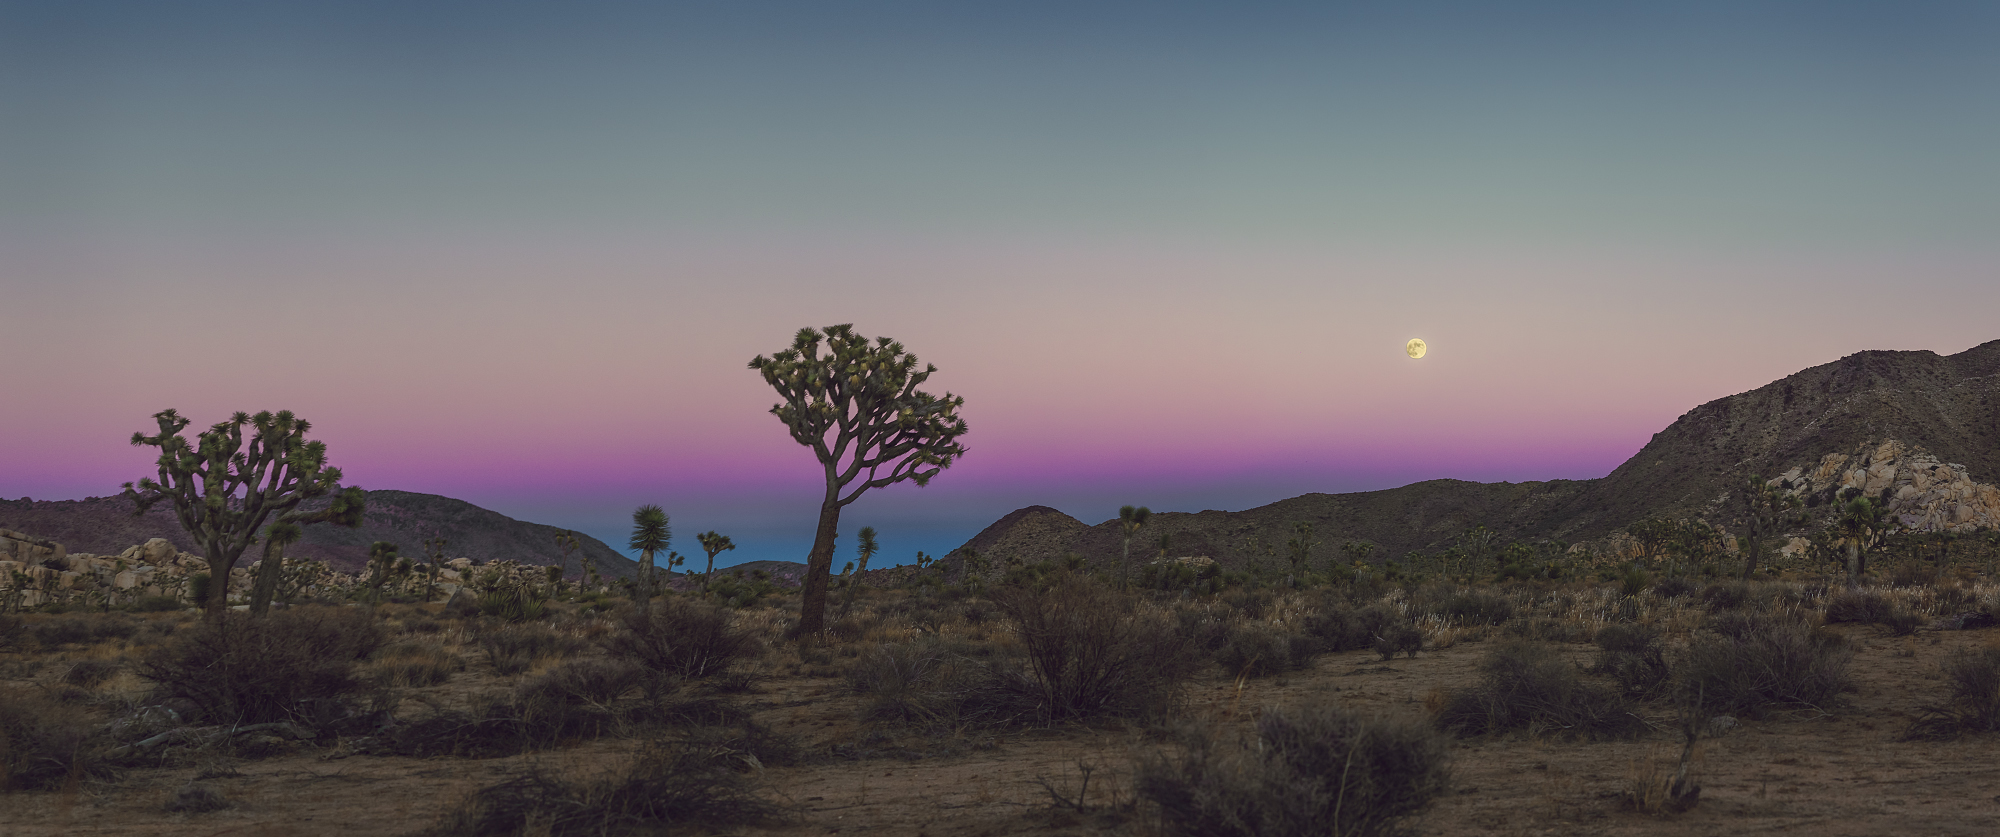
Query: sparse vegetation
x=1320, y=769
x=294, y=664
x=1530, y=687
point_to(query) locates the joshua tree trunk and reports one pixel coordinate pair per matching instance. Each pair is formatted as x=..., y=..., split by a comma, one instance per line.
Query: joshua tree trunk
x=1853, y=563
x=268, y=572
x=819, y=565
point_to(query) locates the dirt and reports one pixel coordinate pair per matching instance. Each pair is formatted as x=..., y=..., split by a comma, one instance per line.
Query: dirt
x=1840, y=772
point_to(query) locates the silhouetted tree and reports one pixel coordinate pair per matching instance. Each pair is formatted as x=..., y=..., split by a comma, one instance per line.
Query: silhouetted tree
x=866, y=547
x=1299, y=549
x=1130, y=519
x=858, y=408
x=223, y=490
x=650, y=534
x=1862, y=526
x=713, y=544
x=1767, y=512
x=567, y=543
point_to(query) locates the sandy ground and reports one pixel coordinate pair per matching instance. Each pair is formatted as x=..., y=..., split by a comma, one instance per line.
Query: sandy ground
x=1841, y=773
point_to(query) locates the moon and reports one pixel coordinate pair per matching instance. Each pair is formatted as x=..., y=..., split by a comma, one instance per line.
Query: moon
x=1416, y=348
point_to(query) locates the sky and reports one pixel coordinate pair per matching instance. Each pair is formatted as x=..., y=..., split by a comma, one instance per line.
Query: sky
x=1169, y=254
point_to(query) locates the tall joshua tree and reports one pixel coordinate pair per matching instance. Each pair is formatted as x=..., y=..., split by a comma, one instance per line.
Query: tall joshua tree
x=1862, y=526
x=713, y=544
x=650, y=534
x=1767, y=513
x=857, y=406
x=1130, y=519
x=866, y=546
x=223, y=490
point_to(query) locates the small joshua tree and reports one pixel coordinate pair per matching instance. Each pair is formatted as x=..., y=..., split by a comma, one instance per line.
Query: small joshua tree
x=650, y=534
x=434, y=553
x=1767, y=513
x=1130, y=519
x=567, y=544
x=1863, y=526
x=1299, y=550
x=858, y=408
x=223, y=491
x=867, y=548
x=713, y=544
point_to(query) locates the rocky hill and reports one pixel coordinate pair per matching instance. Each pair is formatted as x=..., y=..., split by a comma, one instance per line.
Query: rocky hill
x=105, y=525
x=1924, y=426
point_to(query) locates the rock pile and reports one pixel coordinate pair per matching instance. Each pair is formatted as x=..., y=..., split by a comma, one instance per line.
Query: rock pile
x=1924, y=493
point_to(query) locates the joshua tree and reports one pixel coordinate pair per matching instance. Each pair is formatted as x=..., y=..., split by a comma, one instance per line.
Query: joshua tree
x=567, y=543
x=866, y=547
x=1299, y=549
x=1478, y=542
x=1767, y=513
x=650, y=534
x=223, y=491
x=1130, y=519
x=1862, y=526
x=434, y=553
x=858, y=408
x=1653, y=535
x=277, y=536
x=713, y=544
x=382, y=560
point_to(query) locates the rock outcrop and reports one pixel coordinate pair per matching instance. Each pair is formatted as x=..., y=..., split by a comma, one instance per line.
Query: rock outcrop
x=1923, y=493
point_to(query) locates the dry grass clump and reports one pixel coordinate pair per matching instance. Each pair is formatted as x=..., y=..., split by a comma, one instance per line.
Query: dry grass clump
x=1764, y=665
x=81, y=629
x=1634, y=657
x=416, y=664
x=1974, y=705
x=291, y=665
x=1319, y=769
x=682, y=639
x=1530, y=687
x=926, y=682
x=1093, y=652
x=1870, y=607
x=90, y=673
x=669, y=787
x=515, y=648
x=46, y=743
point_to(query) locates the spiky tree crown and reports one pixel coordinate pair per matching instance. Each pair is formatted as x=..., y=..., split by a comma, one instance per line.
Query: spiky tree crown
x=865, y=544
x=713, y=543
x=222, y=488
x=650, y=532
x=856, y=404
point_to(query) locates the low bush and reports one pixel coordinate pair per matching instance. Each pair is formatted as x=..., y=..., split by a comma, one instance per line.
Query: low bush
x=82, y=629
x=681, y=639
x=1476, y=607
x=513, y=649
x=1400, y=637
x=1093, y=652
x=1868, y=606
x=1259, y=649
x=1314, y=770
x=1777, y=665
x=1974, y=705
x=291, y=664
x=1341, y=627
x=669, y=787
x=1634, y=657
x=1529, y=687
x=416, y=664
x=1673, y=587
x=89, y=673
x=156, y=604
x=917, y=681
x=46, y=743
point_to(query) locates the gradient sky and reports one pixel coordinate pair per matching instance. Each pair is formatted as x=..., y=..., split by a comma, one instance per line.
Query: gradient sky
x=520, y=254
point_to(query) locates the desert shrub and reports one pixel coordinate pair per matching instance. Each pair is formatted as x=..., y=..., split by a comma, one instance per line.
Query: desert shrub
x=82, y=629
x=90, y=673
x=1778, y=665
x=1093, y=652
x=156, y=604
x=917, y=681
x=1314, y=770
x=1248, y=603
x=1741, y=623
x=291, y=664
x=1341, y=627
x=1716, y=598
x=1476, y=607
x=1870, y=607
x=1401, y=637
x=1204, y=631
x=1633, y=582
x=513, y=604
x=1259, y=649
x=195, y=798
x=416, y=664
x=681, y=639
x=46, y=743
x=1529, y=687
x=513, y=649
x=1673, y=587
x=1974, y=705
x=669, y=787
x=1634, y=657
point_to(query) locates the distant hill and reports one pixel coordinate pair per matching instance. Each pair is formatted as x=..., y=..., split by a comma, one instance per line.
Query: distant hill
x=105, y=525
x=1831, y=416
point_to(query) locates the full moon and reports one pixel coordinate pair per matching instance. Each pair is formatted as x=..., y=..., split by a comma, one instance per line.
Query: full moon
x=1415, y=348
